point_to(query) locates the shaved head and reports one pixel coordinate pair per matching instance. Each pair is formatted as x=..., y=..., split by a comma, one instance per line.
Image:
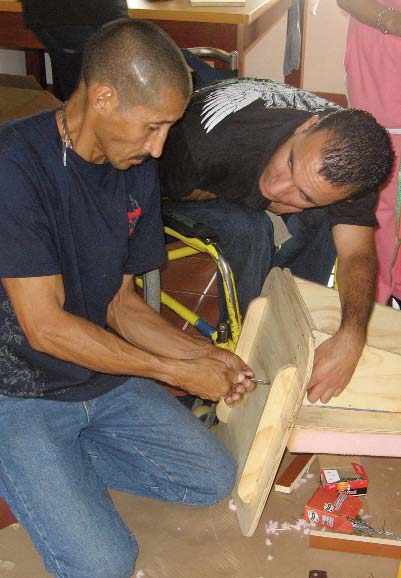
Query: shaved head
x=138, y=59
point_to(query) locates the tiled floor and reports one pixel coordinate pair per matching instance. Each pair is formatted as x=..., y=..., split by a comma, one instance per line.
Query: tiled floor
x=190, y=281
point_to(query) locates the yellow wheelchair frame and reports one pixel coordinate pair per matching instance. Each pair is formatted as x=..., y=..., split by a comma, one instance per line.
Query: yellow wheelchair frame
x=192, y=246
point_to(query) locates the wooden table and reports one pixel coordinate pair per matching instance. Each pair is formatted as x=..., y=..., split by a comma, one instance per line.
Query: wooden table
x=226, y=27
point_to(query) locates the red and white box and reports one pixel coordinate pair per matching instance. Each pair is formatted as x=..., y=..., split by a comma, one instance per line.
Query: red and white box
x=351, y=479
x=333, y=510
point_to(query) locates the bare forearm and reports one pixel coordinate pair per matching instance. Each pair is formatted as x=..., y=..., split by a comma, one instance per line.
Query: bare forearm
x=367, y=11
x=357, y=283
x=140, y=325
x=78, y=341
x=157, y=351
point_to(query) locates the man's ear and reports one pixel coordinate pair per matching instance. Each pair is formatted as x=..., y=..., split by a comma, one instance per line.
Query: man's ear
x=307, y=124
x=103, y=98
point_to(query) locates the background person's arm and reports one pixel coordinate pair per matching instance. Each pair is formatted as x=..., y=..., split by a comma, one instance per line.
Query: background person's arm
x=172, y=357
x=367, y=12
x=336, y=358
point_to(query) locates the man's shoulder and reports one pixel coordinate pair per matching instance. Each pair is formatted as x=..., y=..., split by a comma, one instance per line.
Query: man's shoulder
x=238, y=93
x=18, y=137
x=244, y=99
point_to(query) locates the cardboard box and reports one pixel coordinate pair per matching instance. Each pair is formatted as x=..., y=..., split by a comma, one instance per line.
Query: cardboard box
x=23, y=96
x=331, y=509
x=6, y=516
x=350, y=479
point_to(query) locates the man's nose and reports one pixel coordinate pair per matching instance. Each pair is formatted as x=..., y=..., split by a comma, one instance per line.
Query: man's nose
x=282, y=186
x=156, y=144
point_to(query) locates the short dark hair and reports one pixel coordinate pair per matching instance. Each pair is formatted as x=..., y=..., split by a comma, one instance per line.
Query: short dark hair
x=358, y=153
x=138, y=59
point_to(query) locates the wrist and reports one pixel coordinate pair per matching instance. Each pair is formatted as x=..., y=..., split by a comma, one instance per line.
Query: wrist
x=355, y=337
x=388, y=21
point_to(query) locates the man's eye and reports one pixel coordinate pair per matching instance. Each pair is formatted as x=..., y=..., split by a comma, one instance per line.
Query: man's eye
x=154, y=127
x=304, y=197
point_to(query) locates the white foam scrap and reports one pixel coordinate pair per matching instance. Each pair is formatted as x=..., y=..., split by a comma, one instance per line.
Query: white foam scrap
x=300, y=524
x=268, y=542
x=140, y=574
x=6, y=565
x=309, y=476
x=271, y=527
x=231, y=505
x=270, y=557
x=299, y=483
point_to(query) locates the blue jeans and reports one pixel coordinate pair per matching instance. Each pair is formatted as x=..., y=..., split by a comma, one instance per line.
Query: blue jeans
x=246, y=241
x=57, y=460
x=310, y=253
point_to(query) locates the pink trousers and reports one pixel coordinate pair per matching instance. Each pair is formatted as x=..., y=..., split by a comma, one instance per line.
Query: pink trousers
x=386, y=236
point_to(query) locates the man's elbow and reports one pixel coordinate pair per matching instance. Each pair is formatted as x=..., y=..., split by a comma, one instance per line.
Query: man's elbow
x=42, y=333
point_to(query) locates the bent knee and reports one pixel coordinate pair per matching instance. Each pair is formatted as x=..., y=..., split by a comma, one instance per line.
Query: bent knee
x=116, y=561
x=222, y=477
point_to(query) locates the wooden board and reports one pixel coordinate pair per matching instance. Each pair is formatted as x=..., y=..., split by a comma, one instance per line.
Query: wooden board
x=217, y=2
x=277, y=342
x=384, y=329
x=345, y=420
x=355, y=544
x=370, y=406
x=376, y=383
x=293, y=473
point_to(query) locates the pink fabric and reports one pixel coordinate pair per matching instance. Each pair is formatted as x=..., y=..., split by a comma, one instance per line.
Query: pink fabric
x=310, y=441
x=373, y=66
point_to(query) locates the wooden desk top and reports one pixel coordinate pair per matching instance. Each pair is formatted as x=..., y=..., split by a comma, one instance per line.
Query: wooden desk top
x=181, y=10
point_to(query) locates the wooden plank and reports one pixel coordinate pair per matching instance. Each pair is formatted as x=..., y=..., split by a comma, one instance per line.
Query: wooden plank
x=353, y=544
x=347, y=420
x=384, y=330
x=277, y=342
x=375, y=385
x=294, y=472
x=217, y=2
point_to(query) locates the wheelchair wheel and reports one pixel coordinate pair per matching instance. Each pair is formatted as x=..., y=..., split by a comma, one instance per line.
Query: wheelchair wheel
x=151, y=289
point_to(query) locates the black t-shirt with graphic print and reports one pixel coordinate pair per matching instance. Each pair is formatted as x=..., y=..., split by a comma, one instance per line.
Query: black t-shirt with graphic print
x=89, y=223
x=228, y=134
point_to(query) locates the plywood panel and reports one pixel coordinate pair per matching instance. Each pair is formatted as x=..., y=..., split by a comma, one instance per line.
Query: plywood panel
x=277, y=342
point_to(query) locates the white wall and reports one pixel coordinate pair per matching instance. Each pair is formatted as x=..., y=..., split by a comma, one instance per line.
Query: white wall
x=265, y=59
x=325, y=36
x=12, y=62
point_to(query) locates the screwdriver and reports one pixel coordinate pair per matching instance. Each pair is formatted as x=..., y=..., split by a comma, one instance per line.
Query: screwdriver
x=260, y=381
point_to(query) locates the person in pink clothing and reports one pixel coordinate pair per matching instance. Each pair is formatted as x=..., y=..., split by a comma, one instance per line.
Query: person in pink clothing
x=373, y=67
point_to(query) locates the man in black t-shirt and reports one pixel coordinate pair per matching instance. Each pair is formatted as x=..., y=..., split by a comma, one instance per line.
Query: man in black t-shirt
x=80, y=411
x=247, y=145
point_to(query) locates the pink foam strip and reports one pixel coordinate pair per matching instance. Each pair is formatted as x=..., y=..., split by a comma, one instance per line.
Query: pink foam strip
x=359, y=444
